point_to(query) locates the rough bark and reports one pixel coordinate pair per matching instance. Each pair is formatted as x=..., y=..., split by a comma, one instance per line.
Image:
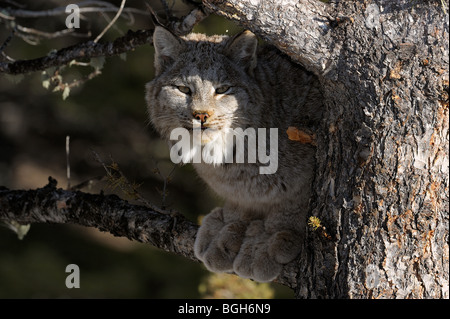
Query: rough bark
x=382, y=179
x=170, y=232
x=296, y=27
x=381, y=187
x=84, y=50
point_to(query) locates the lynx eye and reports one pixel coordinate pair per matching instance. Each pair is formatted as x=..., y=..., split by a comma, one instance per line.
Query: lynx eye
x=184, y=89
x=223, y=89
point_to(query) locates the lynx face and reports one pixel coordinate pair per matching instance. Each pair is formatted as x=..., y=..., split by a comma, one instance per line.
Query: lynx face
x=202, y=83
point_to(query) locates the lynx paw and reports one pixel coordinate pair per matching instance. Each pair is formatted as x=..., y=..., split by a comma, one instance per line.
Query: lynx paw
x=218, y=242
x=284, y=246
x=249, y=250
x=253, y=260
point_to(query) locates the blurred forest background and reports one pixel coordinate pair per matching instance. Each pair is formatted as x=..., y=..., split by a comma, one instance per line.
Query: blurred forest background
x=106, y=114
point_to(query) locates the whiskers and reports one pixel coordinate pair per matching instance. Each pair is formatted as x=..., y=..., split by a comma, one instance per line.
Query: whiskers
x=226, y=121
x=169, y=120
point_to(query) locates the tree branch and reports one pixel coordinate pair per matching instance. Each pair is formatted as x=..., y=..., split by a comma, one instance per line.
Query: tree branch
x=49, y=204
x=299, y=28
x=85, y=7
x=170, y=232
x=88, y=49
x=91, y=49
x=110, y=24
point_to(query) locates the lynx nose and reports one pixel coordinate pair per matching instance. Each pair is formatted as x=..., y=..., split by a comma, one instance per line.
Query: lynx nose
x=201, y=116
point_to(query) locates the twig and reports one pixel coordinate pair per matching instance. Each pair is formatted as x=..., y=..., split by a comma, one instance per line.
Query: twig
x=187, y=23
x=166, y=180
x=84, y=8
x=154, y=15
x=68, y=160
x=83, y=50
x=91, y=49
x=43, y=34
x=108, y=20
x=88, y=77
x=87, y=183
x=49, y=35
x=14, y=3
x=59, y=85
x=125, y=186
x=122, y=5
x=166, y=9
x=6, y=17
x=8, y=39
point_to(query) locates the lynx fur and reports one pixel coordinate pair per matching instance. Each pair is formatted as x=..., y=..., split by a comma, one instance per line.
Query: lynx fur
x=219, y=83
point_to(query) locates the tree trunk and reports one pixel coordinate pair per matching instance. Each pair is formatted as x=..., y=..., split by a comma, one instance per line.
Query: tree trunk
x=381, y=187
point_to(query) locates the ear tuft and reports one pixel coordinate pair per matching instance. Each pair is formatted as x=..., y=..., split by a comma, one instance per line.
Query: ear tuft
x=167, y=47
x=242, y=49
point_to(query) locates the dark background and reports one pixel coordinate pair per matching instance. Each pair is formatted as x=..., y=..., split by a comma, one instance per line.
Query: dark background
x=106, y=114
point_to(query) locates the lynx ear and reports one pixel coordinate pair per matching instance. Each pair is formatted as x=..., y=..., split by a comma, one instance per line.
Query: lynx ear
x=167, y=47
x=242, y=49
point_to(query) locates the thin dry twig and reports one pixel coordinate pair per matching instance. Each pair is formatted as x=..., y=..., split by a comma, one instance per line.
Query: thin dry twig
x=58, y=84
x=6, y=17
x=8, y=40
x=108, y=20
x=119, y=12
x=91, y=49
x=37, y=34
x=166, y=180
x=88, y=183
x=154, y=15
x=118, y=179
x=68, y=160
x=85, y=7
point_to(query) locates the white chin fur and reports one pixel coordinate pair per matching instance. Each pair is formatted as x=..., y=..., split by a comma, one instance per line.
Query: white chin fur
x=212, y=149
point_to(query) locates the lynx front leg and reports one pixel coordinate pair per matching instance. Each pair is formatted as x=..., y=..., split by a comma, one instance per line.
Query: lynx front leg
x=269, y=244
x=219, y=239
x=230, y=242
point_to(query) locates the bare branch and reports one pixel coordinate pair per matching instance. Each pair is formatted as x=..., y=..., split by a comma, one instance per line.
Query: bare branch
x=36, y=34
x=170, y=232
x=91, y=49
x=118, y=179
x=173, y=233
x=299, y=28
x=119, y=12
x=7, y=41
x=84, y=50
x=68, y=160
x=6, y=17
x=186, y=24
x=85, y=7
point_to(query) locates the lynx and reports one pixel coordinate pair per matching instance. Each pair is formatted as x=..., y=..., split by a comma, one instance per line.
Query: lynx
x=214, y=83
